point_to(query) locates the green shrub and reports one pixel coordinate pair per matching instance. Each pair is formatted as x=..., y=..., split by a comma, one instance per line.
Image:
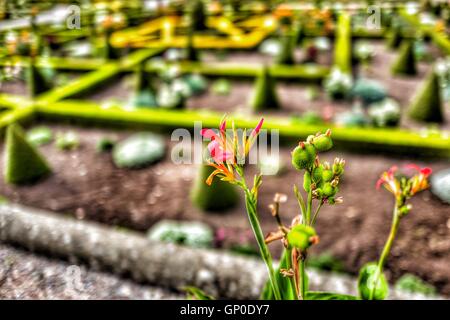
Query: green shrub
x=265, y=95
x=413, y=284
x=326, y=261
x=369, y=91
x=105, y=144
x=385, y=113
x=139, y=150
x=217, y=197
x=67, y=141
x=193, y=234
x=394, y=37
x=23, y=163
x=39, y=136
x=36, y=81
x=338, y=84
x=427, y=106
x=406, y=60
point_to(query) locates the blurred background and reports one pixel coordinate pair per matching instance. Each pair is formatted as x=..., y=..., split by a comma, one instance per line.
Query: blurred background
x=92, y=91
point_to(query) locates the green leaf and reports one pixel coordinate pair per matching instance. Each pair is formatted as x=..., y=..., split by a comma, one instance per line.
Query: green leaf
x=315, y=295
x=194, y=293
x=286, y=289
x=369, y=287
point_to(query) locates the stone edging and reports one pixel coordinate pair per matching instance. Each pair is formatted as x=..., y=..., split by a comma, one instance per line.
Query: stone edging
x=219, y=273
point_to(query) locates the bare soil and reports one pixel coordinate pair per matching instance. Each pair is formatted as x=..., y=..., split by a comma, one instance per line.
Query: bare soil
x=87, y=185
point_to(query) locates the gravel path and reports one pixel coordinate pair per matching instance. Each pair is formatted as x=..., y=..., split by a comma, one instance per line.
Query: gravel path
x=24, y=275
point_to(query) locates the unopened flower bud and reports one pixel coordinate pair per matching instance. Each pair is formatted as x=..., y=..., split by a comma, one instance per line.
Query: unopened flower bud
x=339, y=200
x=338, y=166
x=317, y=174
x=301, y=237
x=303, y=156
x=335, y=182
x=327, y=175
x=323, y=142
x=329, y=190
x=280, y=198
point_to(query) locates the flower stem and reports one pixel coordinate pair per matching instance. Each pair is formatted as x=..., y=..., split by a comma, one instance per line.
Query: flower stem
x=387, y=248
x=250, y=202
x=309, y=208
x=316, y=213
x=290, y=266
x=302, y=271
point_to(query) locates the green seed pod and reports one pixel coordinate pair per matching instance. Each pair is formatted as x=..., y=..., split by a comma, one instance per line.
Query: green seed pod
x=368, y=286
x=329, y=190
x=303, y=156
x=317, y=174
x=327, y=175
x=300, y=236
x=322, y=143
x=307, y=181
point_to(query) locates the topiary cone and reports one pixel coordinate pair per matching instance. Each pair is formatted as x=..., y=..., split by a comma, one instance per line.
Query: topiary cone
x=220, y=195
x=406, y=60
x=198, y=15
x=191, y=52
x=23, y=163
x=427, y=105
x=265, y=95
x=109, y=52
x=286, y=54
x=394, y=37
x=36, y=81
x=299, y=34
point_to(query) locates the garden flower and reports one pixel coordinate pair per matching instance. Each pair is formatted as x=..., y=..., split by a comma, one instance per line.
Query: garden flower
x=389, y=181
x=419, y=181
x=225, y=151
x=406, y=188
x=372, y=282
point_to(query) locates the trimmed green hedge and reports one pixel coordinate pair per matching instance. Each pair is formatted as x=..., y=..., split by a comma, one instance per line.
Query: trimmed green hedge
x=18, y=115
x=75, y=64
x=92, y=79
x=236, y=70
x=392, y=140
x=439, y=38
x=343, y=44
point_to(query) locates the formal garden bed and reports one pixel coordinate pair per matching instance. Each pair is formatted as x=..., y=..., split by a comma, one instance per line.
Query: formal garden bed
x=88, y=138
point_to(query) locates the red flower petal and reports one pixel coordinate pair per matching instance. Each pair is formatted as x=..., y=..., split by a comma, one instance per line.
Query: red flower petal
x=379, y=183
x=412, y=166
x=208, y=133
x=258, y=127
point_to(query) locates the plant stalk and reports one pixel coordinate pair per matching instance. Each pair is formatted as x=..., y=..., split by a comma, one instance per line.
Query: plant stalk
x=302, y=272
x=387, y=247
x=250, y=203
